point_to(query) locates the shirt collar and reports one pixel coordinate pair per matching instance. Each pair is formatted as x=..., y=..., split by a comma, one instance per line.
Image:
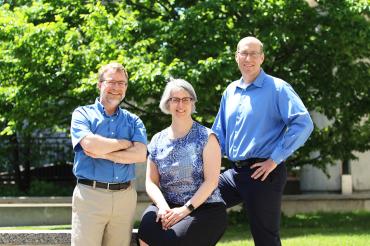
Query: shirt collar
x=102, y=110
x=257, y=82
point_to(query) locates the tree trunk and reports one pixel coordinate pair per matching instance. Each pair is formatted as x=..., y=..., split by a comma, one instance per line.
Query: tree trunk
x=15, y=161
x=27, y=163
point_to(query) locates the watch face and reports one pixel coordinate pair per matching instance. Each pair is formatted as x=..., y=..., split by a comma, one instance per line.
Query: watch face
x=190, y=206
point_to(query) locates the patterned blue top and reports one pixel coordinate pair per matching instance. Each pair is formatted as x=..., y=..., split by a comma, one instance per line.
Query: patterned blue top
x=180, y=164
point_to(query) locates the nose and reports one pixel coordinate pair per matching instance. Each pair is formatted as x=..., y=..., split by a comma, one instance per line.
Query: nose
x=180, y=104
x=248, y=57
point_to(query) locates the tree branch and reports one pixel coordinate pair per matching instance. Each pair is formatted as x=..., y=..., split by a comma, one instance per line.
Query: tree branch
x=139, y=6
x=134, y=107
x=171, y=11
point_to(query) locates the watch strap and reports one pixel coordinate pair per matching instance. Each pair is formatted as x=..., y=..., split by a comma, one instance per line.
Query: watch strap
x=189, y=206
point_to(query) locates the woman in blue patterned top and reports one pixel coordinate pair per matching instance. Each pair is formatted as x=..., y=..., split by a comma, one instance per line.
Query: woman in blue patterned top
x=182, y=175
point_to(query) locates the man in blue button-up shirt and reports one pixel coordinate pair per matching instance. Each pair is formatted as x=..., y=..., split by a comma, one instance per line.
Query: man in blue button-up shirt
x=107, y=141
x=260, y=123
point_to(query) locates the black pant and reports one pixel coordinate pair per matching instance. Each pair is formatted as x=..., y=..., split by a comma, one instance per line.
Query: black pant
x=261, y=199
x=203, y=227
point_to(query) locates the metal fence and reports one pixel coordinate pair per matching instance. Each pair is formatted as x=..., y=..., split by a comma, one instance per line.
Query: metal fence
x=49, y=157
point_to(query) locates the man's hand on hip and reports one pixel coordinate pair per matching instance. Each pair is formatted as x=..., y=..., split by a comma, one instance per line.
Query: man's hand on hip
x=263, y=169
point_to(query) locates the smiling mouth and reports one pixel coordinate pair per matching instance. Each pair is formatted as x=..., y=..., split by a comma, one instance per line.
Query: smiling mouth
x=115, y=94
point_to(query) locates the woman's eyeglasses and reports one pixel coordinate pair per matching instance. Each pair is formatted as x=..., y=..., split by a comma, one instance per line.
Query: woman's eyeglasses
x=177, y=100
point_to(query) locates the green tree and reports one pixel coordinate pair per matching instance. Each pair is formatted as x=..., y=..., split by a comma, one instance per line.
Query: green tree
x=322, y=51
x=48, y=66
x=51, y=50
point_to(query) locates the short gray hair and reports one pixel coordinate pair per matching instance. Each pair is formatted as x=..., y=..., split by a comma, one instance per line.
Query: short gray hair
x=175, y=84
x=115, y=66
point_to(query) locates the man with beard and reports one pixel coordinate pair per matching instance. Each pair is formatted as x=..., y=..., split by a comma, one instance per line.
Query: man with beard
x=107, y=141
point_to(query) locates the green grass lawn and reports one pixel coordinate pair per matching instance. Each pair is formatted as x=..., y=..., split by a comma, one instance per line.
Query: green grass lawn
x=321, y=229
x=46, y=227
x=238, y=235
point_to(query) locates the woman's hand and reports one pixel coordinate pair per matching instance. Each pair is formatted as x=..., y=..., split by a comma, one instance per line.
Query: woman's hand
x=173, y=216
x=161, y=214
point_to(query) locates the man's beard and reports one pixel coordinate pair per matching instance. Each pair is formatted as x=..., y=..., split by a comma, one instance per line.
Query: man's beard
x=115, y=100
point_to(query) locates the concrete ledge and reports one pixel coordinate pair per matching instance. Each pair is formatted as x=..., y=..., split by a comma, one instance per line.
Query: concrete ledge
x=24, y=211
x=328, y=196
x=310, y=203
x=44, y=211
x=35, y=214
x=43, y=237
x=33, y=211
x=35, y=199
x=313, y=203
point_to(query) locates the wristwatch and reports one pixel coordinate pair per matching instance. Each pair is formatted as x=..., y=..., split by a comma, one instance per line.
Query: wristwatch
x=189, y=206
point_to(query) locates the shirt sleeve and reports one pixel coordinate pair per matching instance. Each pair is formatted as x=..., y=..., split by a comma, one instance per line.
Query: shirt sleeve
x=219, y=125
x=80, y=127
x=298, y=121
x=139, y=132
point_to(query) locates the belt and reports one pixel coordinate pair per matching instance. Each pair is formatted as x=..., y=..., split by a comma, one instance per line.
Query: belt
x=107, y=186
x=248, y=162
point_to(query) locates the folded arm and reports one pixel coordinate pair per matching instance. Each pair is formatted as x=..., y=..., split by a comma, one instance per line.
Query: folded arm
x=99, y=145
x=136, y=153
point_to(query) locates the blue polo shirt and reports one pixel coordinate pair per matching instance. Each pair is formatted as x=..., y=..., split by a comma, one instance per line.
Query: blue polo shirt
x=266, y=119
x=121, y=125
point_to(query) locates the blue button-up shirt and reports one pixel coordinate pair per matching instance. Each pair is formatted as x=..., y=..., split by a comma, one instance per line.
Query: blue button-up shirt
x=92, y=119
x=266, y=119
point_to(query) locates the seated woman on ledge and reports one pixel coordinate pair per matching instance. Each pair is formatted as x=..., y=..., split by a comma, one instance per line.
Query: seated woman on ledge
x=183, y=168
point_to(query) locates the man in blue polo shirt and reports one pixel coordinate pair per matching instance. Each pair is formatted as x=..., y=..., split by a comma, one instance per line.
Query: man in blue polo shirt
x=260, y=123
x=107, y=141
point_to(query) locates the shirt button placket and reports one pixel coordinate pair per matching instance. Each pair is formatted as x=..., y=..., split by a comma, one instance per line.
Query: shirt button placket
x=111, y=127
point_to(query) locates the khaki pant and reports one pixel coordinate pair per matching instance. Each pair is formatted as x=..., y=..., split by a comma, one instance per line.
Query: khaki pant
x=102, y=217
